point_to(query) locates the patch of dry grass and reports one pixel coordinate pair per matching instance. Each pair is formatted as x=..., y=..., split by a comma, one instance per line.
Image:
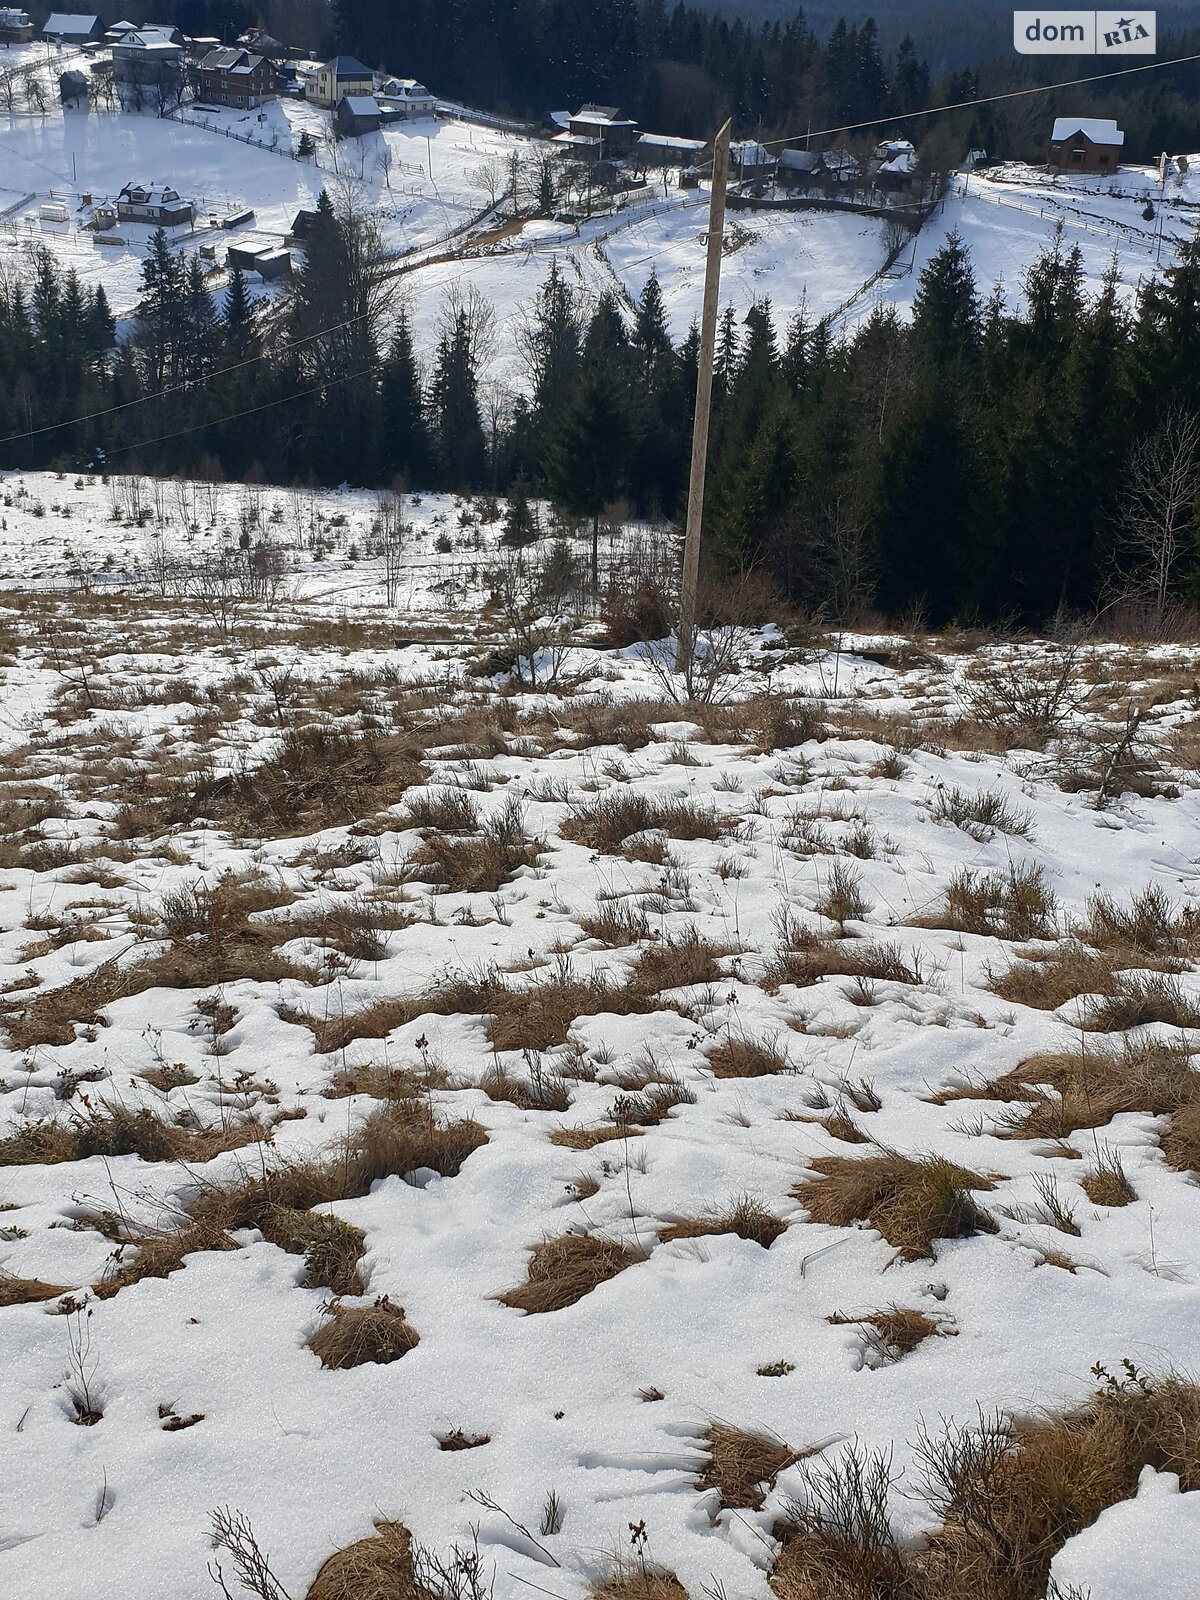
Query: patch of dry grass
x=747, y=1217
x=102, y=1131
x=806, y=958
x=589, y=1138
x=1148, y=931
x=1137, y=999
x=893, y=1333
x=351, y=1336
x=742, y=1466
x=1046, y=980
x=1108, y=1184
x=28, y=1291
x=738, y=1056
x=377, y=1568
x=910, y=1201
x=476, y=863
x=562, y=1270
x=605, y=825
x=1018, y=904
x=640, y=1581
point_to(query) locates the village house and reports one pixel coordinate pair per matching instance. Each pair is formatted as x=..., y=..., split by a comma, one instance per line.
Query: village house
x=357, y=114
x=405, y=98
x=71, y=27
x=669, y=150
x=750, y=162
x=896, y=167
x=1085, y=144
x=233, y=77
x=338, y=78
x=799, y=169
x=156, y=204
x=600, y=132
x=16, y=26
x=149, y=58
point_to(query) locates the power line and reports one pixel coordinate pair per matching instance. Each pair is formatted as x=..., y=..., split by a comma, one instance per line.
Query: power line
x=983, y=100
x=236, y=416
x=186, y=385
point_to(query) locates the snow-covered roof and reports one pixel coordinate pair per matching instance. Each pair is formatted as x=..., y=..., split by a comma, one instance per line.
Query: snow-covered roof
x=905, y=161
x=749, y=153
x=1100, y=130
x=69, y=22
x=361, y=105
x=148, y=42
x=671, y=141
x=800, y=160
x=147, y=194
x=602, y=117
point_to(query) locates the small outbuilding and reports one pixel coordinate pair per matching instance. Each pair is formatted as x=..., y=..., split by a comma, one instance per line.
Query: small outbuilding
x=357, y=114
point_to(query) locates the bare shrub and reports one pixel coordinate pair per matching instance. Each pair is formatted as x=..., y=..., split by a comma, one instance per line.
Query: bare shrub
x=910, y=1201
x=1026, y=699
x=837, y=1541
x=562, y=1270
x=842, y=900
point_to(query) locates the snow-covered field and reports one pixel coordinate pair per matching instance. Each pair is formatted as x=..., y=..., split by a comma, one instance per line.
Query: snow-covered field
x=334, y=968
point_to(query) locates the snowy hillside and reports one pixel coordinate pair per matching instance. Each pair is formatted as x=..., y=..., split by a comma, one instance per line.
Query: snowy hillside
x=519, y=1117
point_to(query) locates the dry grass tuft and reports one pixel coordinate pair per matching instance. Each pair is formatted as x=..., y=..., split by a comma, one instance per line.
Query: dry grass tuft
x=588, y=1138
x=746, y=1217
x=910, y=1201
x=1047, y=980
x=980, y=813
x=1008, y=1495
x=894, y=1333
x=541, y=1091
x=352, y=1336
x=743, y=1466
x=635, y=1580
x=1076, y=1089
x=119, y=1131
x=476, y=864
x=740, y=1057
x=605, y=825
x=319, y=777
x=28, y=1291
x=805, y=958
x=561, y=1271
x=378, y=1568
x=1107, y=1184
x=1149, y=930
x=1137, y=999
x=1018, y=904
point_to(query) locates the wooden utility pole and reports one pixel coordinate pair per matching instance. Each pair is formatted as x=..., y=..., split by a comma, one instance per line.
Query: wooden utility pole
x=704, y=375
